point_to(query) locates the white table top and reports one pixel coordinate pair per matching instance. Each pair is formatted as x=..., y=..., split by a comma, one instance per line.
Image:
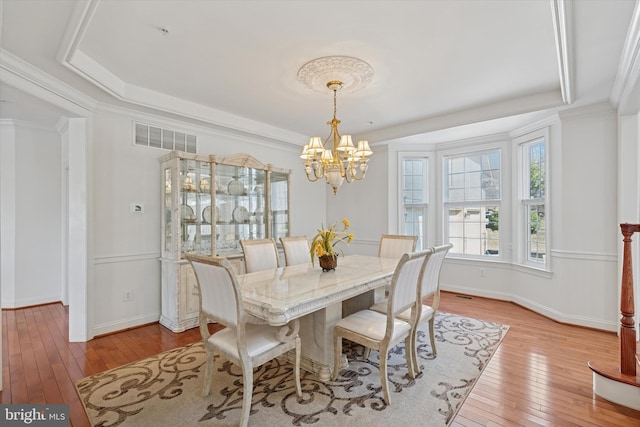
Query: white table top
x=287, y=293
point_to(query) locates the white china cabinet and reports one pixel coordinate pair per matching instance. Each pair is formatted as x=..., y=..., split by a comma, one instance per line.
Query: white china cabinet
x=209, y=204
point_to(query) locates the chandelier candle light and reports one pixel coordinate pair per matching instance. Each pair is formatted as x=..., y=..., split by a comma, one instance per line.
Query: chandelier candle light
x=336, y=159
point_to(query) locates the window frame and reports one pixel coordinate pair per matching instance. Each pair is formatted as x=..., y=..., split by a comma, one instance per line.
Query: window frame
x=523, y=143
x=502, y=202
x=402, y=156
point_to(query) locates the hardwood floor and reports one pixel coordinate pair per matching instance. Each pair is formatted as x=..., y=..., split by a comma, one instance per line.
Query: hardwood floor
x=538, y=376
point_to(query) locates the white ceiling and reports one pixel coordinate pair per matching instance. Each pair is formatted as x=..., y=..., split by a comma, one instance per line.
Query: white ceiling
x=437, y=64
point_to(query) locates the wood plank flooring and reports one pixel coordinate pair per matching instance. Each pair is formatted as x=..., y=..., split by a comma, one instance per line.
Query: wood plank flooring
x=538, y=376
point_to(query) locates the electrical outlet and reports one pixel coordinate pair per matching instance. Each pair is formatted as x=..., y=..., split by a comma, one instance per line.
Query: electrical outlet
x=127, y=296
x=482, y=273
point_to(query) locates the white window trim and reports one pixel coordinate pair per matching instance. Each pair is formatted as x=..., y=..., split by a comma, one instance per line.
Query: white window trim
x=504, y=203
x=429, y=227
x=520, y=225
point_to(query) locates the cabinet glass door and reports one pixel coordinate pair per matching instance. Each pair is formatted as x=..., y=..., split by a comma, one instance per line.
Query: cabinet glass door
x=195, y=207
x=168, y=209
x=240, y=204
x=279, y=202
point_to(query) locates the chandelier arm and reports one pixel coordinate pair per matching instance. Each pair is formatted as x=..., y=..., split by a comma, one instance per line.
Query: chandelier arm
x=315, y=172
x=310, y=179
x=315, y=177
x=353, y=171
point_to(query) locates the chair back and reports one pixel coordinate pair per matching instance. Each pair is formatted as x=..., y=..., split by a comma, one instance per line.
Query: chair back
x=395, y=245
x=259, y=254
x=404, y=284
x=220, y=298
x=296, y=250
x=431, y=276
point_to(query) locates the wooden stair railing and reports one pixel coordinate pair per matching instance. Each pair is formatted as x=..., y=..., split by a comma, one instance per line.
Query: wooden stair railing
x=628, y=356
x=627, y=372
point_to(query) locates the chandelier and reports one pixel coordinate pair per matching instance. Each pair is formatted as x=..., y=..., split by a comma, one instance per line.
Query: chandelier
x=337, y=162
x=336, y=159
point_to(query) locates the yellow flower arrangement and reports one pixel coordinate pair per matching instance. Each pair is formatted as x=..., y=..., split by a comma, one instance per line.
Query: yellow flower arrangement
x=325, y=241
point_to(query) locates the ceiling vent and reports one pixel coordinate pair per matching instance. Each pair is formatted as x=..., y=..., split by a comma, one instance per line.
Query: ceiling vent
x=151, y=136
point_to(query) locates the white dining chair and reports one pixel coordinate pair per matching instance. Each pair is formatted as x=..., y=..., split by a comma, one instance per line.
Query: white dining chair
x=259, y=254
x=429, y=286
x=395, y=245
x=296, y=250
x=382, y=332
x=245, y=344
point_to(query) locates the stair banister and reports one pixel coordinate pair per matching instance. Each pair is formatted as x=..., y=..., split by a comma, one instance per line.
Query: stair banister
x=628, y=360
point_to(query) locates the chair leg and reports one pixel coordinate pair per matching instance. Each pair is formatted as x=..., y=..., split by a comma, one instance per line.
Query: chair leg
x=297, y=368
x=366, y=353
x=247, y=390
x=408, y=353
x=414, y=350
x=208, y=372
x=383, y=374
x=337, y=354
x=433, y=337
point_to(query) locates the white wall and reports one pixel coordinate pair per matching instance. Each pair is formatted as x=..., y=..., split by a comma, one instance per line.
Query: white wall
x=7, y=210
x=37, y=261
x=127, y=246
x=364, y=204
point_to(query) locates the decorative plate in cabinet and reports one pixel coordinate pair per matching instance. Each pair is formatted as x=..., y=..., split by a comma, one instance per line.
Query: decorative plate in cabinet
x=235, y=187
x=240, y=215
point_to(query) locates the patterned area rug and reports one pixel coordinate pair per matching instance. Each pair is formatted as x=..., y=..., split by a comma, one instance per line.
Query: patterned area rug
x=164, y=390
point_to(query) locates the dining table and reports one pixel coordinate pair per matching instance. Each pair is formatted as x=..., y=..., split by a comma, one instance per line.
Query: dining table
x=311, y=301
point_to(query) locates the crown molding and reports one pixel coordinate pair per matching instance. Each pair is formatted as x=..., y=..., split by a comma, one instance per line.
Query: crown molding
x=497, y=110
x=532, y=127
x=587, y=110
x=82, y=64
x=24, y=76
x=81, y=17
x=480, y=142
x=562, y=15
x=628, y=75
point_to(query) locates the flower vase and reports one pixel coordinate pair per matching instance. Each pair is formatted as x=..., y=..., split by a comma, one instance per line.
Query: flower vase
x=328, y=262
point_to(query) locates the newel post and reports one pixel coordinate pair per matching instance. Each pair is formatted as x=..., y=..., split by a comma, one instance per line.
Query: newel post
x=627, y=322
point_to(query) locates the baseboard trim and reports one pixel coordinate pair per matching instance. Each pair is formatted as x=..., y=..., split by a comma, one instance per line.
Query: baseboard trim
x=132, y=322
x=543, y=310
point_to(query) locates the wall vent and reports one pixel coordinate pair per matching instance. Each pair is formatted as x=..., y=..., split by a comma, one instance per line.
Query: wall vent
x=151, y=136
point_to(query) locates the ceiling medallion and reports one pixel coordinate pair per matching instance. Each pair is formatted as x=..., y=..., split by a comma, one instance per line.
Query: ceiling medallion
x=354, y=73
